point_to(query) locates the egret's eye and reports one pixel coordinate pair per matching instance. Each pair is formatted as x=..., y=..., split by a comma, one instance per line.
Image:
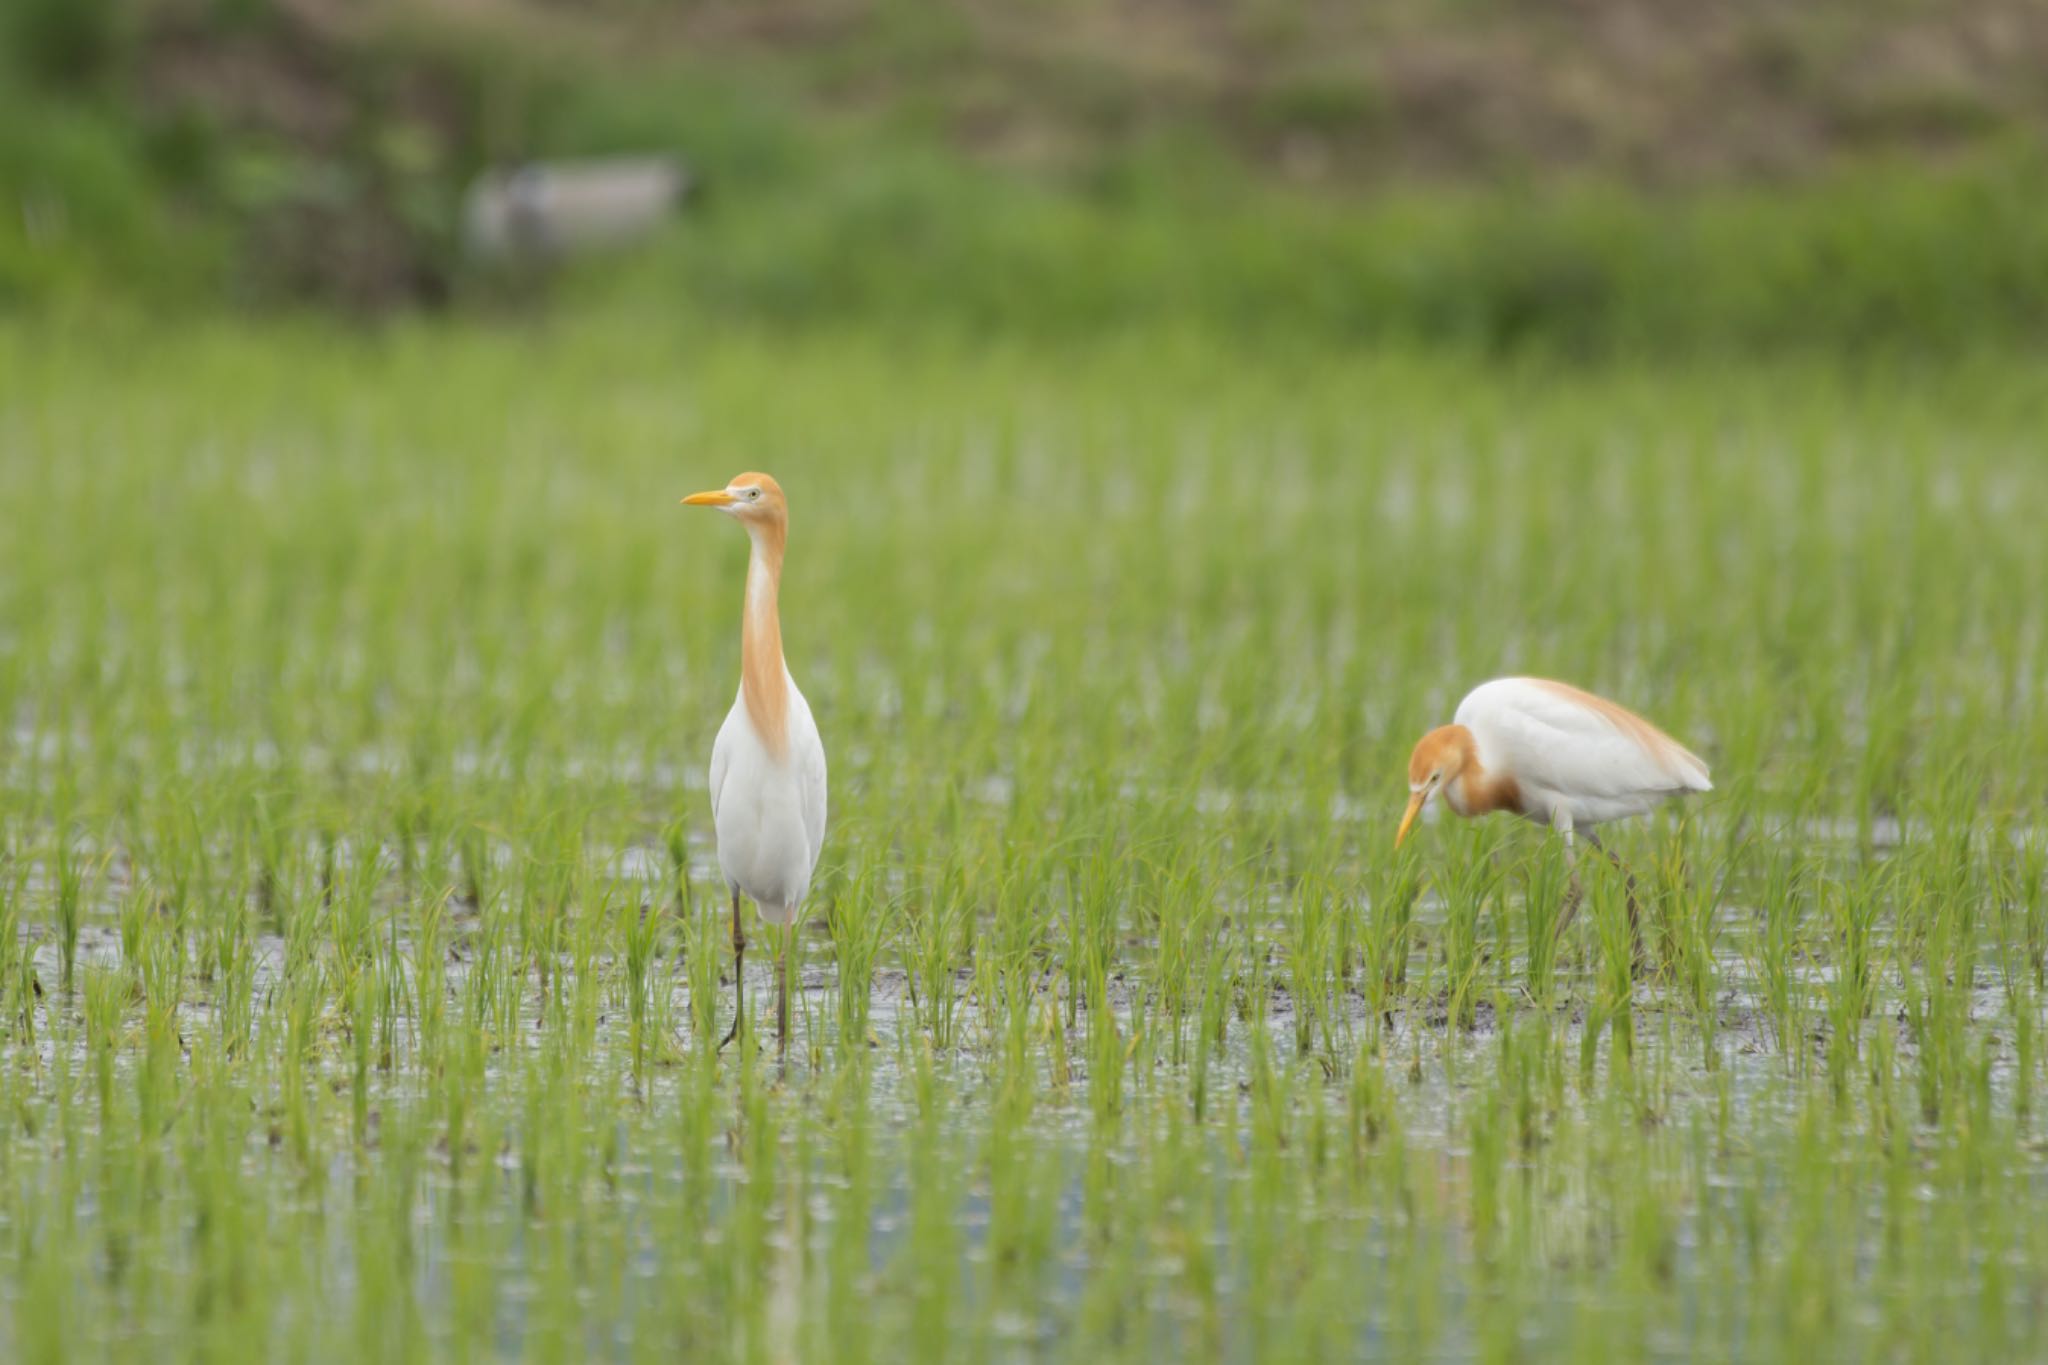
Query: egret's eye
x=753, y=495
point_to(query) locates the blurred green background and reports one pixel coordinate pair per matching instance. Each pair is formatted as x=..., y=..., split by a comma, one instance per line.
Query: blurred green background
x=1590, y=176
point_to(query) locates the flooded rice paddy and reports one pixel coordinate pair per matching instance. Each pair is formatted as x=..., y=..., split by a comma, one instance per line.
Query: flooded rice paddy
x=363, y=957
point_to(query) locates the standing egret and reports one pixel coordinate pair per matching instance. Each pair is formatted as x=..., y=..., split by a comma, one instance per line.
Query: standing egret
x=768, y=764
x=1553, y=754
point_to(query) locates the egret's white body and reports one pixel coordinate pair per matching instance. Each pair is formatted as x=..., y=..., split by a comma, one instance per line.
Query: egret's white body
x=767, y=764
x=1576, y=760
x=769, y=813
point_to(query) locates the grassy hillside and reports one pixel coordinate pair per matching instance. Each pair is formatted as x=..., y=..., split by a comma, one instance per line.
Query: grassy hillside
x=1466, y=173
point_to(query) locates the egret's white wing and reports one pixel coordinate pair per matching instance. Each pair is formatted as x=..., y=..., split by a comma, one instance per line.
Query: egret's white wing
x=807, y=751
x=813, y=773
x=1561, y=739
x=721, y=757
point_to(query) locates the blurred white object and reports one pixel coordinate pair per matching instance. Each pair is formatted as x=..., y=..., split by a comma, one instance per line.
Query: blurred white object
x=568, y=207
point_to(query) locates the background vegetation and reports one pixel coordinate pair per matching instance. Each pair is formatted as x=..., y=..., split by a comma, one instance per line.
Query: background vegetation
x=1596, y=178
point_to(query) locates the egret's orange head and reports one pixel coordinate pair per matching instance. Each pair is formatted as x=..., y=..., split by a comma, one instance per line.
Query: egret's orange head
x=1439, y=757
x=752, y=499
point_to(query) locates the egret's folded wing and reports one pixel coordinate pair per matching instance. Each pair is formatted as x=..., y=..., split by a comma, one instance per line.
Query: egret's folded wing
x=721, y=763
x=811, y=773
x=1561, y=738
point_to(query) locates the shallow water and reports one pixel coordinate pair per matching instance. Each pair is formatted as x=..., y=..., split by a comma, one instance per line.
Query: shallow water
x=1686, y=1068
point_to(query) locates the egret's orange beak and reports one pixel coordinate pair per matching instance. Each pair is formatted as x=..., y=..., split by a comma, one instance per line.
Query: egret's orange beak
x=717, y=497
x=1408, y=816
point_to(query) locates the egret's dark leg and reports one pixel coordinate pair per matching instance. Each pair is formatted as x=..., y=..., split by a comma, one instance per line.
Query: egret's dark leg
x=1574, y=893
x=1635, y=932
x=739, y=972
x=782, y=990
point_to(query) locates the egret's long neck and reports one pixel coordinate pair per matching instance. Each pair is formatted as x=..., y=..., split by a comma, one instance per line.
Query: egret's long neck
x=764, y=681
x=1481, y=792
x=1475, y=791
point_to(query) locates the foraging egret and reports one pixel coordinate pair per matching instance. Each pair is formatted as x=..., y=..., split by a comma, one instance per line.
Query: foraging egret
x=768, y=764
x=1553, y=754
